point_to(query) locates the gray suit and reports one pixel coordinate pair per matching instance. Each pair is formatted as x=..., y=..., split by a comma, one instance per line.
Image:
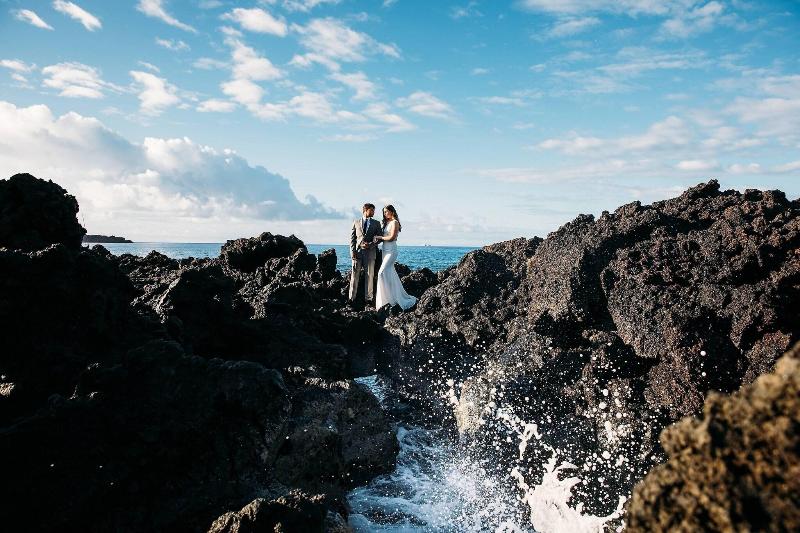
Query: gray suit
x=363, y=258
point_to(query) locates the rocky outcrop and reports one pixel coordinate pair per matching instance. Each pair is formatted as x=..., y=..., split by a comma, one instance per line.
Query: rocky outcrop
x=35, y=214
x=338, y=437
x=105, y=239
x=161, y=441
x=605, y=332
x=295, y=511
x=456, y=321
x=735, y=468
x=150, y=394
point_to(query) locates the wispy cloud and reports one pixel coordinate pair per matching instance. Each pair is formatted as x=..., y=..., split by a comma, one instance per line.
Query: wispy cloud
x=330, y=41
x=26, y=15
x=89, y=21
x=426, y=104
x=155, y=9
x=176, y=45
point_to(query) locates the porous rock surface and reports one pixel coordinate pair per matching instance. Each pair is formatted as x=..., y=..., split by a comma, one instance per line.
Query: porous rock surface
x=605, y=332
x=734, y=468
x=154, y=394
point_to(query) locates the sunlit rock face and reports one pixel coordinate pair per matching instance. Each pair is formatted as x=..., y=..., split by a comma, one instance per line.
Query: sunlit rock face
x=736, y=467
x=605, y=332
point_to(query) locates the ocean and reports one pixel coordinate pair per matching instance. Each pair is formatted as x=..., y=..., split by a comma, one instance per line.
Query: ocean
x=434, y=257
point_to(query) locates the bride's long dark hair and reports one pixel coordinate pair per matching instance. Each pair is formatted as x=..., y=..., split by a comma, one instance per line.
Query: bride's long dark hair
x=393, y=211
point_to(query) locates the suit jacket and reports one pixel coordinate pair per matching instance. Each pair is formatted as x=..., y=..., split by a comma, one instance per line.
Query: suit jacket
x=358, y=235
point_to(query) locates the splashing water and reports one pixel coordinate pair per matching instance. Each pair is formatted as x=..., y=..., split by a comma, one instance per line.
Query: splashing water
x=437, y=487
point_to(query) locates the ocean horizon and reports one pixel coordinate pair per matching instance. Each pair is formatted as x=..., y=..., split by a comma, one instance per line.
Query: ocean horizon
x=435, y=258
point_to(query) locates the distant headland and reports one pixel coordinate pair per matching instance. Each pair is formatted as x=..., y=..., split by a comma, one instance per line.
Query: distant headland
x=104, y=238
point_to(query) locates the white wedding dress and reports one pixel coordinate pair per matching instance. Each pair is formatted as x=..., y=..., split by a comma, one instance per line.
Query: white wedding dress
x=390, y=288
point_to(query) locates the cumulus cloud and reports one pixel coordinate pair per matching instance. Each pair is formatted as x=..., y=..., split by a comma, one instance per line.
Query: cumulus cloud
x=76, y=80
x=155, y=94
x=426, y=104
x=89, y=21
x=163, y=181
x=155, y=9
x=693, y=21
x=26, y=15
x=257, y=20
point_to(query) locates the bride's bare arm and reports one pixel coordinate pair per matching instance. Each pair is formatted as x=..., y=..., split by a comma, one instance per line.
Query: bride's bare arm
x=392, y=233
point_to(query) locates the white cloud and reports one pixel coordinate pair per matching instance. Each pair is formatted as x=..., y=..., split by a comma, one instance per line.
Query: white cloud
x=332, y=41
x=89, y=21
x=168, y=185
x=76, y=80
x=175, y=46
x=155, y=94
x=247, y=64
x=740, y=168
x=382, y=113
x=155, y=9
x=257, y=20
x=358, y=81
x=479, y=71
x=466, y=11
x=667, y=134
x=16, y=65
x=693, y=21
x=793, y=166
x=306, y=5
x=26, y=15
x=573, y=7
x=149, y=66
x=243, y=91
x=565, y=28
x=696, y=165
x=501, y=100
x=426, y=104
x=207, y=63
x=216, y=106
x=350, y=137
x=775, y=110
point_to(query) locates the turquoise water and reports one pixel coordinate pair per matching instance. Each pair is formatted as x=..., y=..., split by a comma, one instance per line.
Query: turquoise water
x=434, y=257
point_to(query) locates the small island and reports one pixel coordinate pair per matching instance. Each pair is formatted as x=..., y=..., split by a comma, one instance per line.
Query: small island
x=104, y=238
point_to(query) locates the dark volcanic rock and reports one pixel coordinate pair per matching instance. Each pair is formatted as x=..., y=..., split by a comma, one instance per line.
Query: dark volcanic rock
x=35, y=214
x=736, y=468
x=116, y=413
x=419, y=281
x=160, y=442
x=338, y=437
x=607, y=331
x=249, y=254
x=60, y=310
x=456, y=320
x=294, y=512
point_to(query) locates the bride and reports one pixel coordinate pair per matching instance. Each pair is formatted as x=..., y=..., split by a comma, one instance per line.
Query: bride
x=390, y=288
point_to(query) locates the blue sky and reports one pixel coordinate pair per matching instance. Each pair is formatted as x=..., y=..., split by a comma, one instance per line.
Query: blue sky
x=480, y=121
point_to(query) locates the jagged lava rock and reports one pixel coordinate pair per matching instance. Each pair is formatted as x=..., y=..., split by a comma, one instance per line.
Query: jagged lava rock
x=296, y=511
x=35, y=214
x=160, y=442
x=250, y=253
x=735, y=468
x=606, y=331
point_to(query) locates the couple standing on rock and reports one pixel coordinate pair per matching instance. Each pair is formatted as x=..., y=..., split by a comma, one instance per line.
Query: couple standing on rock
x=365, y=236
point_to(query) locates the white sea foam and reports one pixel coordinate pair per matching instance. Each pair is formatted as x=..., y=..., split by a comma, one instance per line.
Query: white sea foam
x=437, y=487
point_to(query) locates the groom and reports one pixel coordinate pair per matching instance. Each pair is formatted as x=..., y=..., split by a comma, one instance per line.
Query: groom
x=362, y=252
